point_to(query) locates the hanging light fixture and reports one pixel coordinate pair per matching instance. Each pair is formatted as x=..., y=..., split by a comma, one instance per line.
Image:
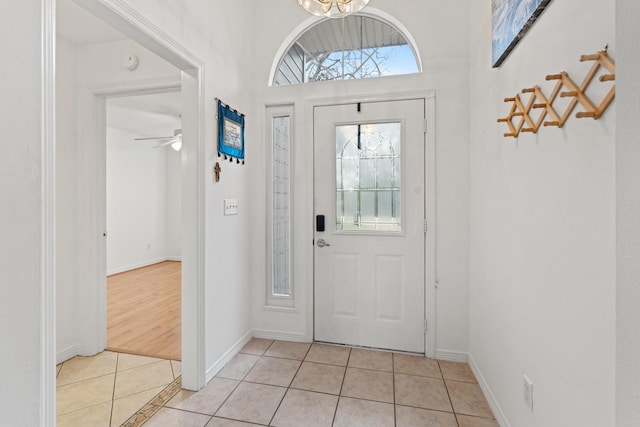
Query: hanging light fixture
x=333, y=8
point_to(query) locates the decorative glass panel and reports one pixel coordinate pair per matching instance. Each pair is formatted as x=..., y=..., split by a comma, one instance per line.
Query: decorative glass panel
x=368, y=177
x=281, y=205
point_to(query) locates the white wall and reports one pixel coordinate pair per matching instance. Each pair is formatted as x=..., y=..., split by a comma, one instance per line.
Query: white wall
x=66, y=199
x=22, y=237
x=440, y=30
x=139, y=202
x=542, y=218
x=628, y=212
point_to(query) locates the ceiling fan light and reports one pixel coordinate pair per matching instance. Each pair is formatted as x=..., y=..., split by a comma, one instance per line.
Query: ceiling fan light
x=177, y=145
x=333, y=8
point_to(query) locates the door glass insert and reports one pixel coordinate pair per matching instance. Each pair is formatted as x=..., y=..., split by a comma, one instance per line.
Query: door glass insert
x=281, y=214
x=368, y=177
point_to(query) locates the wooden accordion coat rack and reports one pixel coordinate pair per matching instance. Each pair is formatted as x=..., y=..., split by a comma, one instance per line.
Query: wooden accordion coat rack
x=565, y=88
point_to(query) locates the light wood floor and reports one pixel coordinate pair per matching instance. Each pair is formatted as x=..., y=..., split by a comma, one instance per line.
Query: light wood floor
x=143, y=311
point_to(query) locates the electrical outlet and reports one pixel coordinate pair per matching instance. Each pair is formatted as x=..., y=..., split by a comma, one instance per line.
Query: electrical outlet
x=527, y=392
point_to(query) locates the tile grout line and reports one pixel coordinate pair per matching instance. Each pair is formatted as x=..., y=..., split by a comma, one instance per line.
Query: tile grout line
x=239, y=381
x=225, y=400
x=335, y=413
x=393, y=377
x=290, y=382
x=113, y=393
x=453, y=409
x=86, y=379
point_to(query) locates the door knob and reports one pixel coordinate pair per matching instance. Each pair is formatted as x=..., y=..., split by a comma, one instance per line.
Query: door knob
x=321, y=243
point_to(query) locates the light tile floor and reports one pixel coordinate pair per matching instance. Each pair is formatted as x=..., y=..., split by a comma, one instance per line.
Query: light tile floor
x=106, y=389
x=284, y=384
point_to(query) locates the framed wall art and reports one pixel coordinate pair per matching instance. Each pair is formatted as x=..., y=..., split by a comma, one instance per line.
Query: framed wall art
x=230, y=133
x=511, y=19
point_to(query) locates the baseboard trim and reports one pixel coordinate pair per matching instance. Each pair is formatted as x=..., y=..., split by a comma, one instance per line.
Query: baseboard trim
x=280, y=335
x=67, y=353
x=452, y=356
x=219, y=364
x=141, y=264
x=488, y=394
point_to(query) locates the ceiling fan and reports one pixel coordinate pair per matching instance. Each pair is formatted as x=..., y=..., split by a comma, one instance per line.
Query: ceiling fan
x=174, y=141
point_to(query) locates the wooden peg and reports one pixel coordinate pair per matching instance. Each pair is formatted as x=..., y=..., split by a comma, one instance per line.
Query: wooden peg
x=503, y=120
x=531, y=130
x=511, y=134
x=554, y=77
x=539, y=105
x=217, y=169
x=529, y=90
x=593, y=57
x=585, y=114
x=518, y=114
x=568, y=94
x=509, y=100
x=607, y=77
x=553, y=123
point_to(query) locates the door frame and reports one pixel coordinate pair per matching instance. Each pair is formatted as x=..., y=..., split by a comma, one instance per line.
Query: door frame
x=92, y=119
x=430, y=261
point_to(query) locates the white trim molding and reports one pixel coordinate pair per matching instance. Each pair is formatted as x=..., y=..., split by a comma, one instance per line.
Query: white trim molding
x=279, y=335
x=48, y=227
x=431, y=201
x=286, y=303
x=488, y=394
x=67, y=353
x=452, y=356
x=142, y=264
x=213, y=370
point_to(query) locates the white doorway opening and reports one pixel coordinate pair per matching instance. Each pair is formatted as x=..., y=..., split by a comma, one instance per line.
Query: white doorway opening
x=144, y=224
x=91, y=224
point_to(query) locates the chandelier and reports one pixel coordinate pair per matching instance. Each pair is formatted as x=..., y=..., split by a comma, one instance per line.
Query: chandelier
x=333, y=8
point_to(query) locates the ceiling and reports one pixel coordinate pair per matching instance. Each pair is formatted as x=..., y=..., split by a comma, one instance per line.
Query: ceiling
x=155, y=114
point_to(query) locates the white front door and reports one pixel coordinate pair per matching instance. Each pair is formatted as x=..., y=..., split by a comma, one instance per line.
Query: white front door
x=369, y=189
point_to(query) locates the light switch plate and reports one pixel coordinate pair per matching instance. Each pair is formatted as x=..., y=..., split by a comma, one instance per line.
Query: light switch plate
x=230, y=206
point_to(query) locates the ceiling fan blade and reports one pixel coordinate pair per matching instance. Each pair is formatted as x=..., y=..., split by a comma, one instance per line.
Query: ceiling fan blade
x=154, y=137
x=164, y=144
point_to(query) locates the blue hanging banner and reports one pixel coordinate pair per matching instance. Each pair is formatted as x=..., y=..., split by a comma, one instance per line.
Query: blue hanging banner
x=230, y=133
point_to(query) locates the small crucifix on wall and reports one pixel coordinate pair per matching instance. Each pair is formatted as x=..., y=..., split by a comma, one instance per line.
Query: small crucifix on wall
x=217, y=169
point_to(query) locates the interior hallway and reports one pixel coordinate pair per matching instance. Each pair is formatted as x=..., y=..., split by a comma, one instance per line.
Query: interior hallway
x=143, y=311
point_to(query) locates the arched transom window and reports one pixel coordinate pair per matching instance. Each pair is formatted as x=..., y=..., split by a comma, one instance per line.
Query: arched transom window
x=354, y=47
